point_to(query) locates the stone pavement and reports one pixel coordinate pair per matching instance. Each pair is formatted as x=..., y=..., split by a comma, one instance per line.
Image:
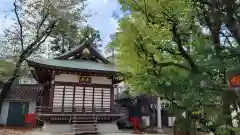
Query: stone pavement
x=5, y=131
x=132, y=134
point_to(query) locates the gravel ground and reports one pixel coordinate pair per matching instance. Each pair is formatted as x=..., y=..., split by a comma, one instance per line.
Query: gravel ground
x=13, y=131
x=4, y=131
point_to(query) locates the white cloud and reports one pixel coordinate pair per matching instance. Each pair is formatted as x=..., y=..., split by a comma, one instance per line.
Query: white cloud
x=105, y=1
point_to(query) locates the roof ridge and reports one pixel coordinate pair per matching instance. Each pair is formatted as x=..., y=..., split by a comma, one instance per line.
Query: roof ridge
x=85, y=43
x=72, y=50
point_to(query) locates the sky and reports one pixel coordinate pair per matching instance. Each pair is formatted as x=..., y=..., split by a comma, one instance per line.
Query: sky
x=101, y=20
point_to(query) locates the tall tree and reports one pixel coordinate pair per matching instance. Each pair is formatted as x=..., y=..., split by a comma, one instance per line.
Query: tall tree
x=110, y=50
x=92, y=35
x=34, y=23
x=72, y=38
x=66, y=33
x=182, y=50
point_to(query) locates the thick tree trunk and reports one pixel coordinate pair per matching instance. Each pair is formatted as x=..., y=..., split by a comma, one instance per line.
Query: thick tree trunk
x=227, y=110
x=6, y=88
x=10, y=81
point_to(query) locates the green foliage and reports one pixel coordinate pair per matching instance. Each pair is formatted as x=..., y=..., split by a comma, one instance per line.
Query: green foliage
x=70, y=30
x=35, y=21
x=67, y=39
x=6, y=69
x=7, y=66
x=171, y=48
x=183, y=125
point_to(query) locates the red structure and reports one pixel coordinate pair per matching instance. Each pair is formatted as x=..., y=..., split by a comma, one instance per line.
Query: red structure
x=30, y=120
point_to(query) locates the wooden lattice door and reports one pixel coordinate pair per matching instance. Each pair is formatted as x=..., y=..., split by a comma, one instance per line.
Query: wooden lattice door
x=78, y=99
x=88, y=99
x=68, y=99
x=58, y=98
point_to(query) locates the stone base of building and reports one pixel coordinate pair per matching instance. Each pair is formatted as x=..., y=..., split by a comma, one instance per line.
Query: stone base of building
x=68, y=128
x=57, y=128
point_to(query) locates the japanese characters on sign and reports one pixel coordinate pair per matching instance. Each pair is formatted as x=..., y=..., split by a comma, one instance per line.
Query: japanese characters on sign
x=85, y=79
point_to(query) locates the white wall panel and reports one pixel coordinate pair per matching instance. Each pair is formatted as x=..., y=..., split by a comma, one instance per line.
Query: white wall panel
x=67, y=78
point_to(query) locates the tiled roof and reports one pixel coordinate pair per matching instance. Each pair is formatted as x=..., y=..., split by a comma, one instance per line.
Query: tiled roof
x=80, y=47
x=24, y=92
x=76, y=64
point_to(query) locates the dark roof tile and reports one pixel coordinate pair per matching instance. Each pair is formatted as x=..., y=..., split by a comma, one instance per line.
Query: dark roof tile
x=24, y=92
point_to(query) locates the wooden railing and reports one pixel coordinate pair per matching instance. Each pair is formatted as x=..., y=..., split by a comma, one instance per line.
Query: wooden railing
x=78, y=110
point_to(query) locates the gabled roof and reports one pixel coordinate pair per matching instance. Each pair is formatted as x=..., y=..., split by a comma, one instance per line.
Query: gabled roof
x=78, y=65
x=26, y=92
x=78, y=52
x=84, y=57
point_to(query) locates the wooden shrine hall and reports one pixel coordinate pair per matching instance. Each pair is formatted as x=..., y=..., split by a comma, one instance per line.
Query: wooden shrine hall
x=77, y=83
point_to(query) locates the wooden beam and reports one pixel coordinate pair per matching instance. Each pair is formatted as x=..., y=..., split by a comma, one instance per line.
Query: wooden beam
x=111, y=99
x=83, y=99
x=84, y=85
x=93, y=105
x=73, y=70
x=51, y=95
x=112, y=96
x=102, y=101
x=83, y=114
x=73, y=104
x=63, y=98
x=52, y=87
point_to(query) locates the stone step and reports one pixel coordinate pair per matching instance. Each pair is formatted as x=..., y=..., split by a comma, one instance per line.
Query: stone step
x=85, y=128
x=84, y=121
x=84, y=125
x=89, y=118
x=86, y=132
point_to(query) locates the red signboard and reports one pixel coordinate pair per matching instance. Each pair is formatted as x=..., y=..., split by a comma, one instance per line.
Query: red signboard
x=234, y=81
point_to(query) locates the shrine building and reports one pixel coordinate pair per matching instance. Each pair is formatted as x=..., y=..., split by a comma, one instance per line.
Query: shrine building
x=79, y=84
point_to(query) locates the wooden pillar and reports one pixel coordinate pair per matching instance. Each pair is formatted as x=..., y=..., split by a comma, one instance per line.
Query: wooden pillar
x=52, y=89
x=73, y=104
x=64, y=87
x=44, y=97
x=83, y=108
x=102, y=102
x=93, y=104
x=112, y=96
x=112, y=99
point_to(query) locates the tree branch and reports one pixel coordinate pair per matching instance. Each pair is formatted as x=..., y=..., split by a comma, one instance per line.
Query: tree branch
x=41, y=24
x=176, y=36
x=171, y=51
x=177, y=39
x=20, y=25
x=43, y=38
x=44, y=33
x=166, y=64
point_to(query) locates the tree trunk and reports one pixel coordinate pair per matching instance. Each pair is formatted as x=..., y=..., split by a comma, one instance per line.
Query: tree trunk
x=10, y=81
x=63, y=44
x=227, y=110
x=6, y=88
